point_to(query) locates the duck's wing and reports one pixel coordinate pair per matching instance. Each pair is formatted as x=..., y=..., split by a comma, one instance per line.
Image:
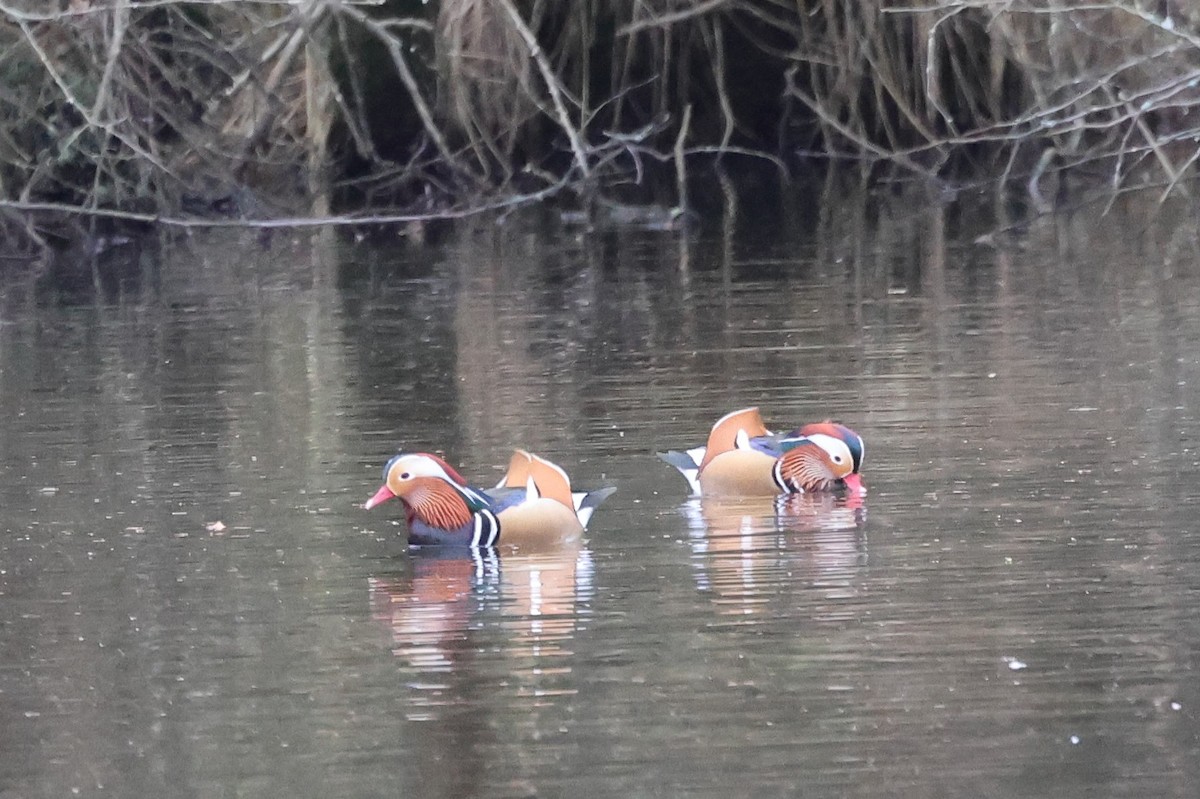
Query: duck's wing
x=771, y=444
x=518, y=470
x=733, y=431
x=550, y=481
x=503, y=498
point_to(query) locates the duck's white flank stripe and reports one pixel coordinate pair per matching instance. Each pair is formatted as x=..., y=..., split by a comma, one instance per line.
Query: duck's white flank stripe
x=478, y=534
x=493, y=522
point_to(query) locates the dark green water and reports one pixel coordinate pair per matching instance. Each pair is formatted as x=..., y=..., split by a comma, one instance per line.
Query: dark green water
x=1011, y=612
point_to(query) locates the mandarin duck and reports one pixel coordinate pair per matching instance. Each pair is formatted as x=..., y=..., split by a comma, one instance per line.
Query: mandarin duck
x=533, y=504
x=744, y=458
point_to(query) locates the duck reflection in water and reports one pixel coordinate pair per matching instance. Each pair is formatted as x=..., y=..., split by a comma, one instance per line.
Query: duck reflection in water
x=453, y=595
x=749, y=550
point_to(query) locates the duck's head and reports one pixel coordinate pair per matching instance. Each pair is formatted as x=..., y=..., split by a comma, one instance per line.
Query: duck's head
x=813, y=462
x=853, y=442
x=405, y=473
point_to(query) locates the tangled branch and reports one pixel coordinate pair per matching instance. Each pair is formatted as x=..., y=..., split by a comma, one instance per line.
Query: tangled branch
x=148, y=110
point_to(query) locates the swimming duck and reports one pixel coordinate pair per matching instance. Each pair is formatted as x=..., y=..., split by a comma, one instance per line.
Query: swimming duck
x=532, y=505
x=744, y=458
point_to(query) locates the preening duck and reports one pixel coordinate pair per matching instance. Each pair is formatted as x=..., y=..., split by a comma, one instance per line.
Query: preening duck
x=743, y=458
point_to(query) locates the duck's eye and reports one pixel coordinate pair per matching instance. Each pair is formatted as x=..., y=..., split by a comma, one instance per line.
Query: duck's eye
x=405, y=476
x=837, y=459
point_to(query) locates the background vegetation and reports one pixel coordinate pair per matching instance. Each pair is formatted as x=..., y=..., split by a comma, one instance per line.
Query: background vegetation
x=183, y=111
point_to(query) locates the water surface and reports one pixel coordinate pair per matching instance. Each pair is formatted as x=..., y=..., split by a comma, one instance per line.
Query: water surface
x=193, y=602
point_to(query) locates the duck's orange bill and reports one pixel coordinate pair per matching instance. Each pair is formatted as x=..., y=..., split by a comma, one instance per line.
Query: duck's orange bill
x=853, y=481
x=382, y=495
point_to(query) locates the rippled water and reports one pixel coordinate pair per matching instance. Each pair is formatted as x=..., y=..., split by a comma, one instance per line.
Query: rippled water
x=193, y=602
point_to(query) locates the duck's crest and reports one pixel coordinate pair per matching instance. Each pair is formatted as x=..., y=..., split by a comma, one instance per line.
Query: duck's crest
x=450, y=471
x=731, y=430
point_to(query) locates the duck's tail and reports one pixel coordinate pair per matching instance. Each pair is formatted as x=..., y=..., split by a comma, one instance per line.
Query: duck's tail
x=586, y=502
x=688, y=464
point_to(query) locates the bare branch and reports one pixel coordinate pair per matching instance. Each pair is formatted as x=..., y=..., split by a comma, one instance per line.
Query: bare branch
x=674, y=18
x=165, y=220
x=552, y=85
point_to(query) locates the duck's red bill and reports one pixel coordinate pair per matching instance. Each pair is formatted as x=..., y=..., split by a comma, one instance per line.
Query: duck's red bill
x=854, y=484
x=382, y=495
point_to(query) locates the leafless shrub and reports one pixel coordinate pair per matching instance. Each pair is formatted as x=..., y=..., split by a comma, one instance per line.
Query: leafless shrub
x=194, y=112
x=1038, y=82
x=147, y=107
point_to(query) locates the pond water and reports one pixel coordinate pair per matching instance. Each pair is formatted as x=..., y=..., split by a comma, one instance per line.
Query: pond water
x=194, y=603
